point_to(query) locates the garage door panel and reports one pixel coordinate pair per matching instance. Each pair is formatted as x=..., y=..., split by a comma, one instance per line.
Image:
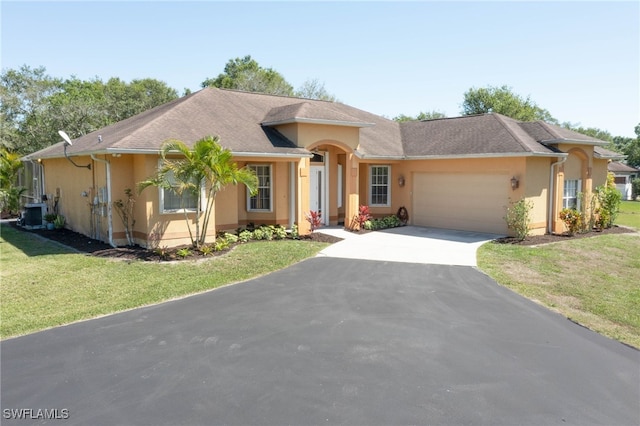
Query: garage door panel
x=474, y=202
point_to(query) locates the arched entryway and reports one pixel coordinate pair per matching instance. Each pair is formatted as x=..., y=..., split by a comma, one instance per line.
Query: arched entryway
x=333, y=182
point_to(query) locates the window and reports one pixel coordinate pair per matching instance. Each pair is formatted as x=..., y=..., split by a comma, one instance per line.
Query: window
x=171, y=202
x=379, y=194
x=262, y=200
x=570, y=198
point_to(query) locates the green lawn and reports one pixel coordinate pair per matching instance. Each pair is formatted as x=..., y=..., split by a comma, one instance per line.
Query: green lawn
x=44, y=284
x=593, y=281
x=629, y=214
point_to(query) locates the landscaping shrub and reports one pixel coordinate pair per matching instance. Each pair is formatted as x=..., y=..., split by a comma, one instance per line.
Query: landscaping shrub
x=279, y=233
x=258, y=234
x=609, y=199
x=635, y=188
x=363, y=216
x=518, y=218
x=572, y=220
x=245, y=236
x=295, y=234
x=315, y=219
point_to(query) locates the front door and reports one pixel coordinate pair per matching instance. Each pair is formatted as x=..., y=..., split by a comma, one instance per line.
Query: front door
x=316, y=192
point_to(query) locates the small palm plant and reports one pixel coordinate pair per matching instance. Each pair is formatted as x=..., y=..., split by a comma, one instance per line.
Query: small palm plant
x=205, y=168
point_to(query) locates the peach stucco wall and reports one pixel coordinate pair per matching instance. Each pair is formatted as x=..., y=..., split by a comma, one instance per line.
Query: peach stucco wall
x=306, y=135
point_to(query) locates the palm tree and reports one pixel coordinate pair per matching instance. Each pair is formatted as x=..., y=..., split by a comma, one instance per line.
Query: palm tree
x=205, y=168
x=10, y=194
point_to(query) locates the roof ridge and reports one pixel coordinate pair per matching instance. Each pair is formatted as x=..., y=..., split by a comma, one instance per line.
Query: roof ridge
x=500, y=118
x=549, y=129
x=273, y=95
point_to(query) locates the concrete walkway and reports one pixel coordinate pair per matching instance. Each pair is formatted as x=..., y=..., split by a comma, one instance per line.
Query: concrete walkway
x=412, y=244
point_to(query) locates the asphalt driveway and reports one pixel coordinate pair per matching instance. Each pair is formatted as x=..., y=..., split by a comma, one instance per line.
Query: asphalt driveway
x=328, y=341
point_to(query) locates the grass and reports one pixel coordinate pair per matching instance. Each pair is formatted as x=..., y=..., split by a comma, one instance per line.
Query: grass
x=45, y=284
x=629, y=214
x=593, y=281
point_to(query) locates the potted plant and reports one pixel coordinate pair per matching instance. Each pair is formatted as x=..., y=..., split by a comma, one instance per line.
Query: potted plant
x=50, y=218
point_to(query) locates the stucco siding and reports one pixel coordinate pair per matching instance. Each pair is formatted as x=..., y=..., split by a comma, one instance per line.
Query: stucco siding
x=536, y=184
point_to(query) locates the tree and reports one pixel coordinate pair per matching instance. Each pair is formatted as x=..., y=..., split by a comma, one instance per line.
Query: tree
x=631, y=148
x=205, y=168
x=23, y=97
x=422, y=116
x=503, y=101
x=10, y=194
x=35, y=106
x=314, y=89
x=594, y=132
x=246, y=74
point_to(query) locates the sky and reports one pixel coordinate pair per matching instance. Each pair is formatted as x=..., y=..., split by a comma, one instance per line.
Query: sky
x=578, y=60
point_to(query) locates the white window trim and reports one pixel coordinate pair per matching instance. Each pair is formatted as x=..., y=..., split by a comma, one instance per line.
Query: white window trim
x=388, y=203
x=249, y=209
x=174, y=211
x=578, y=191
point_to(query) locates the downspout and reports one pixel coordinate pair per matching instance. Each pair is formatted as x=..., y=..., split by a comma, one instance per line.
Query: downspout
x=292, y=193
x=109, y=211
x=551, y=194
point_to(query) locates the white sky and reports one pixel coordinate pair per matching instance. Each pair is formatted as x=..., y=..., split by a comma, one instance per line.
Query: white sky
x=579, y=60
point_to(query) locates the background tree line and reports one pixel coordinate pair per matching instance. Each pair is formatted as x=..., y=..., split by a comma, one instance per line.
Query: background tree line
x=34, y=105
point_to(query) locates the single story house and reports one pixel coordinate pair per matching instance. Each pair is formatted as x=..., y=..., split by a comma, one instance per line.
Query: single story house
x=457, y=173
x=623, y=175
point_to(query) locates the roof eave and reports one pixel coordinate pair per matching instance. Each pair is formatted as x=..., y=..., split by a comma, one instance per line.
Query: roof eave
x=609, y=157
x=573, y=142
x=317, y=121
x=487, y=155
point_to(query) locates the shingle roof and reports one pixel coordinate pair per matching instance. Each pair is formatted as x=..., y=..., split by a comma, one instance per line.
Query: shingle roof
x=545, y=132
x=469, y=135
x=601, y=152
x=245, y=123
x=616, y=166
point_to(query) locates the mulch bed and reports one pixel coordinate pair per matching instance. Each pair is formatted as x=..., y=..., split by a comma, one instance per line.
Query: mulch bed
x=554, y=238
x=84, y=244
x=97, y=248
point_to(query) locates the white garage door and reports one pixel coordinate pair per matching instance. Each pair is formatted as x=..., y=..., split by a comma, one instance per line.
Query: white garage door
x=470, y=202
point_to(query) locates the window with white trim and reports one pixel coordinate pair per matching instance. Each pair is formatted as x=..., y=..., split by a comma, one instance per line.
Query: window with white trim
x=262, y=200
x=379, y=187
x=172, y=202
x=570, y=199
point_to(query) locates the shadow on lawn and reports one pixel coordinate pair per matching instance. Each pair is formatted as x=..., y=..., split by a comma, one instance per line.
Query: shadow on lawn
x=29, y=243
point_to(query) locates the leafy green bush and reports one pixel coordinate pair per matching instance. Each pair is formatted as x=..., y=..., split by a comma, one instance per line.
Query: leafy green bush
x=279, y=233
x=183, y=252
x=221, y=244
x=518, y=218
x=258, y=234
x=295, y=234
x=230, y=238
x=245, y=236
x=59, y=222
x=205, y=250
x=609, y=199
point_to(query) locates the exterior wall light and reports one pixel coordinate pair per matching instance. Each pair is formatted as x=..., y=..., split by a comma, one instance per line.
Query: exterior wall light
x=515, y=183
x=401, y=181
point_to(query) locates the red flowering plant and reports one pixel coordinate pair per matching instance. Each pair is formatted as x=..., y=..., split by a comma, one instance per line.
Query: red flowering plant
x=572, y=220
x=315, y=219
x=363, y=216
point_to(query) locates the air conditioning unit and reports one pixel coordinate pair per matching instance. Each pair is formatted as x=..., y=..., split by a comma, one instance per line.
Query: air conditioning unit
x=33, y=215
